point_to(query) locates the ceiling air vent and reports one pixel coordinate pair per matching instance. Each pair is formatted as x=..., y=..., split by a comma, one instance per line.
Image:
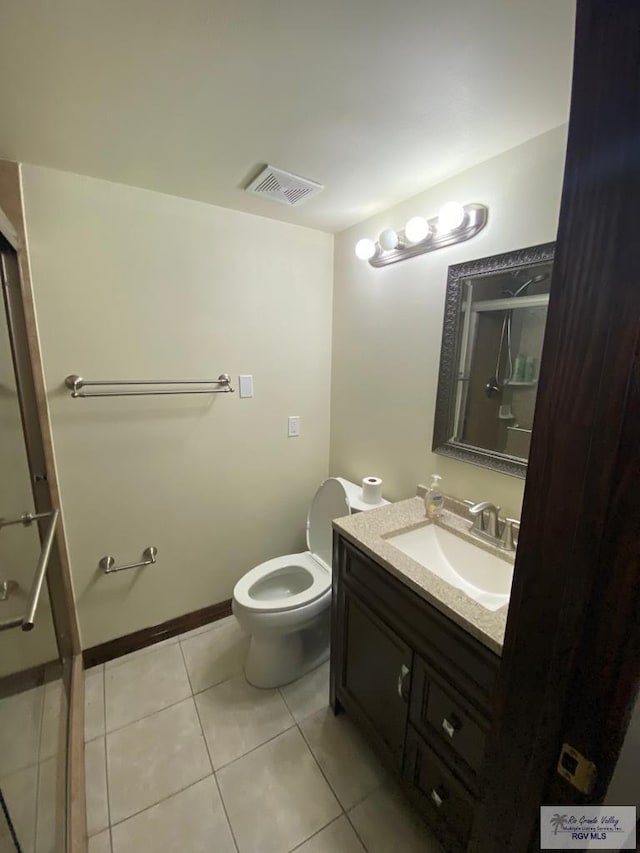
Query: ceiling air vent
x=283, y=186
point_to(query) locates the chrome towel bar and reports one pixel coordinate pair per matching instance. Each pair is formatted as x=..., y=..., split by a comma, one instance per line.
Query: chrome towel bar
x=108, y=566
x=27, y=621
x=76, y=383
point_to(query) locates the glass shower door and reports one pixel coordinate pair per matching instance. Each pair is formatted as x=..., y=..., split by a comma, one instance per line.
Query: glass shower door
x=33, y=699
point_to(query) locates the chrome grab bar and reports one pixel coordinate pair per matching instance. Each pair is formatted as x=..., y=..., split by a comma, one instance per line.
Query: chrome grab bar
x=76, y=383
x=107, y=564
x=27, y=621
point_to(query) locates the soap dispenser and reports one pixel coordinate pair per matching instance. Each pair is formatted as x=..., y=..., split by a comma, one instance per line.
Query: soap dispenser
x=434, y=499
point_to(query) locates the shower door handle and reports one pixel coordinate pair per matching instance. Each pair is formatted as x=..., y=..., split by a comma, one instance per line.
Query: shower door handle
x=26, y=622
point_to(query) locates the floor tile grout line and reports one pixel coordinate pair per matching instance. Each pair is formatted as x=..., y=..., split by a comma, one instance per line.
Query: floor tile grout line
x=202, y=733
x=353, y=827
x=253, y=748
x=226, y=814
x=112, y=826
x=324, y=775
x=192, y=694
x=146, y=716
x=176, y=638
x=159, y=710
x=184, y=663
x=39, y=765
x=380, y=784
x=106, y=759
x=345, y=812
x=257, y=746
x=294, y=726
x=215, y=778
x=317, y=832
x=114, y=663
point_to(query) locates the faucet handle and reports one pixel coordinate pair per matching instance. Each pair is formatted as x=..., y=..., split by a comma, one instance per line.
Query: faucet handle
x=509, y=540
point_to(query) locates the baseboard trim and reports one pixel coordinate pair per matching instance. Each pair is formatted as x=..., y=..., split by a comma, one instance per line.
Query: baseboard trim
x=148, y=636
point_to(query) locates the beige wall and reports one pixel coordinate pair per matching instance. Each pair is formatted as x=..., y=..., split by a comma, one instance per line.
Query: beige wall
x=130, y=283
x=387, y=324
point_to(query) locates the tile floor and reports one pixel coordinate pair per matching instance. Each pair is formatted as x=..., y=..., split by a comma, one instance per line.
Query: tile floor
x=31, y=740
x=183, y=756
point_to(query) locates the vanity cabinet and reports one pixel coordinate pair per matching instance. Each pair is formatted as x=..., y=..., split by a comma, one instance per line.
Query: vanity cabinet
x=417, y=684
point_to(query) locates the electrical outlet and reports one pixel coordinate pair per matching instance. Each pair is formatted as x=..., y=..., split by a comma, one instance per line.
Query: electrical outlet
x=294, y=425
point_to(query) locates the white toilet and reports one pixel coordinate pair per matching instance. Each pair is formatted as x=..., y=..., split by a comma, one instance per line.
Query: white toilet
x=284, y=604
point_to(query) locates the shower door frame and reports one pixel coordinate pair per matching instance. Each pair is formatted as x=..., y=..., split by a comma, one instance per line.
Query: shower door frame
x=25, y=345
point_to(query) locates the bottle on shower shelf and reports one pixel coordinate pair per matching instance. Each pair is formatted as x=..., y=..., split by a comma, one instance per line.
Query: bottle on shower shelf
x=519, y=368
x=529, y=369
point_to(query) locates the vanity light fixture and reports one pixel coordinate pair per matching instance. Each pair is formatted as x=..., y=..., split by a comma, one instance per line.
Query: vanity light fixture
x=454, y=224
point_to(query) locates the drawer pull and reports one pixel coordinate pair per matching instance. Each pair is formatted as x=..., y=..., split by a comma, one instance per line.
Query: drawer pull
x=402, y=679
x=438, y=795
x=451, y=726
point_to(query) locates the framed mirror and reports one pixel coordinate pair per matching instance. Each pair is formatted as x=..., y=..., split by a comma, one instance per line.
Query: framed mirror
x=493, y=330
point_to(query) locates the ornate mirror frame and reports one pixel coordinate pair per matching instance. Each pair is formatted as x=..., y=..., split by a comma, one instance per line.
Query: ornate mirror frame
x=448, y=373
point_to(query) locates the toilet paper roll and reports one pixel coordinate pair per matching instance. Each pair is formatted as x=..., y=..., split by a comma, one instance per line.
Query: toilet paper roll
x=372, y=490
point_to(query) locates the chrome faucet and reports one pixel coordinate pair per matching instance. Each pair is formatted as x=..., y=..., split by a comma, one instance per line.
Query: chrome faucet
x=488, y=525
x=486, y=520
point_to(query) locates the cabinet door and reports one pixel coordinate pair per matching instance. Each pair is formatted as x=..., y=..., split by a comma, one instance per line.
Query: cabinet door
x=376, y=675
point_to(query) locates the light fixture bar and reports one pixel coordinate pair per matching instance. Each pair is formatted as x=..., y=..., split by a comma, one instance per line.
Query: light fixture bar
x=476, y=216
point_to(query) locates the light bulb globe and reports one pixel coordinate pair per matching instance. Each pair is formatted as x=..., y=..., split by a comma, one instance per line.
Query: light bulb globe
x=388, y=239
x=365, y=249
x=451, y=217
x=416, y=229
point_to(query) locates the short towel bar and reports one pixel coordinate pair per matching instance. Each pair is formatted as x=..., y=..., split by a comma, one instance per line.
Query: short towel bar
x=108, y=564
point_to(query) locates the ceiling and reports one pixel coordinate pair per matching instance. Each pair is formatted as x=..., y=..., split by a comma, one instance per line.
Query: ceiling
x=375, y=100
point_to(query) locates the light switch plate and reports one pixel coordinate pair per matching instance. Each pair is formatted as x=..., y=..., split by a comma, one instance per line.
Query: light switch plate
x=294, y=426
x=245, y=384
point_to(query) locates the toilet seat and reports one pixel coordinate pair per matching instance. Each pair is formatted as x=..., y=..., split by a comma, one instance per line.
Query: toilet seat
x=283, y=583
x=295, y=580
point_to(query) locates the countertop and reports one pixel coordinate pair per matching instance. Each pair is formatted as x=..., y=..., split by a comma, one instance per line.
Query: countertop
x=366, y=530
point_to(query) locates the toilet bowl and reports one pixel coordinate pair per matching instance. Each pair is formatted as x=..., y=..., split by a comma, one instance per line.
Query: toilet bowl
x=284, y=603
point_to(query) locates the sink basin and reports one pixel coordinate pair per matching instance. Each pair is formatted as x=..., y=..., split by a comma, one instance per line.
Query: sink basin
x=482, y=576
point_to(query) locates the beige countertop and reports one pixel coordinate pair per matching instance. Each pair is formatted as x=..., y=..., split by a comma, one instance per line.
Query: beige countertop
x=366, y=530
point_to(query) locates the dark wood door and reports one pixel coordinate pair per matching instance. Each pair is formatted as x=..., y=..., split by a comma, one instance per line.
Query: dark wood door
x=375, y=680
x=571, y=660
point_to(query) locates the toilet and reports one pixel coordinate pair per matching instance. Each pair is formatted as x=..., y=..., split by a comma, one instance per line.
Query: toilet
x=284, y=604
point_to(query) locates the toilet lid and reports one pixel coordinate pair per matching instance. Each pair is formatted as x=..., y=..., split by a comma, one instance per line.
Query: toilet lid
x=329, y=502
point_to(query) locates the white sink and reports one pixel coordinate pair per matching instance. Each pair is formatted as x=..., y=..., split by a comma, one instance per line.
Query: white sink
x=479, y=574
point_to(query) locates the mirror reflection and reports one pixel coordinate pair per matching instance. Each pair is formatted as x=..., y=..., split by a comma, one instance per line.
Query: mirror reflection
x=492, y=344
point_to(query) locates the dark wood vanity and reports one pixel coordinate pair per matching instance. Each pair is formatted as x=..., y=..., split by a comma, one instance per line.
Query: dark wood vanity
x=417, y=684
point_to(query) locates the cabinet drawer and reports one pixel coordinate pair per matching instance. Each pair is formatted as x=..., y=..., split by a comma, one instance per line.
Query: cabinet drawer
x=448, y=806
x=452, y=725
x=442, y=715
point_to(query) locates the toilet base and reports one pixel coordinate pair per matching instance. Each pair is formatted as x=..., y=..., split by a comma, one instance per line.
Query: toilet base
x=275, y=660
